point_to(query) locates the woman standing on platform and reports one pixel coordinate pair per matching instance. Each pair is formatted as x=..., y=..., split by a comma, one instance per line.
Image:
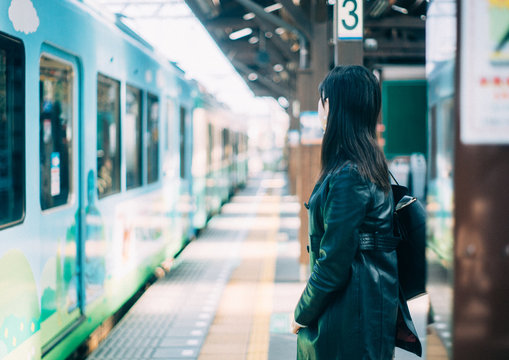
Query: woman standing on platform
x=351, y=307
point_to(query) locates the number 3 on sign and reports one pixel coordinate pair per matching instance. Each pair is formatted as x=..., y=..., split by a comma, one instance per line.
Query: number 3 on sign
x=350, y=25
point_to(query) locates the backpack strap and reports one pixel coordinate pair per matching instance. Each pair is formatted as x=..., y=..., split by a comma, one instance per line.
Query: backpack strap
x=393, y=178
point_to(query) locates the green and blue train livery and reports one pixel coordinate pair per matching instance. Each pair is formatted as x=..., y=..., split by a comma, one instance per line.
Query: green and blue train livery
x=110, y=162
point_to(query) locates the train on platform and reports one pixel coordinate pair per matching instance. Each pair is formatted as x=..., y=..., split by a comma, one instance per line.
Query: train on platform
x=111, y=161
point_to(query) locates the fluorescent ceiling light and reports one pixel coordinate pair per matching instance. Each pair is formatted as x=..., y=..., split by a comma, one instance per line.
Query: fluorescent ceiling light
x=400, y=9
x=278, y=68
x=280, y=31
x=240, y=33
x=249, y=16
x=283, y=101
x=273, y=7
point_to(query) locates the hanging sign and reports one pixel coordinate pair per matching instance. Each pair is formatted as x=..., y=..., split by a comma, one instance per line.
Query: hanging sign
x=350, y=24
x=484, y=78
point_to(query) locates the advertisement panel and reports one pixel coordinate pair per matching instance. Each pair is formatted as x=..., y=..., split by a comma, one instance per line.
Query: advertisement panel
x=484, y=78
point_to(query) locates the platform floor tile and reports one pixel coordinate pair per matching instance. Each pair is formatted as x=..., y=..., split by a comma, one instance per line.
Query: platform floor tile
x=175, y=315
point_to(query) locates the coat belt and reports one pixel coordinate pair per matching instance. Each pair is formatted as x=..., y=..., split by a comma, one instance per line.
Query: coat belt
x=377, y=242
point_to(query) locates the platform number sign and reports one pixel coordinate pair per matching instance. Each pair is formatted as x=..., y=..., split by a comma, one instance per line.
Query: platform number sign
x=350, y=25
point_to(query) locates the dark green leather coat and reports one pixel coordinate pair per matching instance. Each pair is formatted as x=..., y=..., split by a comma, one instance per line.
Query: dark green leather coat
x=352, y=305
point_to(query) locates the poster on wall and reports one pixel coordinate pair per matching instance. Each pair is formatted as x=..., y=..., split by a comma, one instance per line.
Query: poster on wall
x=484, y=78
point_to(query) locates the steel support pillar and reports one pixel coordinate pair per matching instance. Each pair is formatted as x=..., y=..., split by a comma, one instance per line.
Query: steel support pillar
x=349, y=53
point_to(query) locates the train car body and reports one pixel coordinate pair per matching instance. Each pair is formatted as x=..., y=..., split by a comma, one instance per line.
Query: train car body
x=209, y=169
x=96, y=183
x=219, y=164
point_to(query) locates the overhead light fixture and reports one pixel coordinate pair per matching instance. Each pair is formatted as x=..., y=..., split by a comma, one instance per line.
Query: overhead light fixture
x=252, y=76
x=268, y=35
x=273, y=7
x=253, y=40
x=278, y=68
x=399, y=9
x=249, y=16
x=280, y=31
x=283, y=102
x=370, y=44
x=240, y=33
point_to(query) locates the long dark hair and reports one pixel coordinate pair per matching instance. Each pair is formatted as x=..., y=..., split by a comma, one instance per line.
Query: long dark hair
x=354, y=99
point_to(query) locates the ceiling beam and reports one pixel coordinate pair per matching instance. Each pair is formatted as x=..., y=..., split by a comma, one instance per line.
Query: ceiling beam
x=303, y=40
x=401, y=46
x=299, y=17
x=282, y=47
x=396, y=22
x=225, y=22
x=203, y=9
x=391, y=54
x=274, y=88
x=276, y=20
x=280, y=44
x=248, y=53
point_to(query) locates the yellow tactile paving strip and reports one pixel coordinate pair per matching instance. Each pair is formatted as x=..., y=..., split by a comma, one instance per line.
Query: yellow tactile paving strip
x=241, y=326
x=435, y=349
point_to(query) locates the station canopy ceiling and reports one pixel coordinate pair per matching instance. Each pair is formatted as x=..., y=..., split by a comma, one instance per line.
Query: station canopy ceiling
x=263, y=38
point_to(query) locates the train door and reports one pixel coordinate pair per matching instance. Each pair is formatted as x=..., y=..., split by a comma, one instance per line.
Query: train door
x=185, y=173
x=60, y=196
x=182, y=128
x=199, y=166
x=170, y=174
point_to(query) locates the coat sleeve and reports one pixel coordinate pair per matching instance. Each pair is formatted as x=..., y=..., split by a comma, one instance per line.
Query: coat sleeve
x=343, y=213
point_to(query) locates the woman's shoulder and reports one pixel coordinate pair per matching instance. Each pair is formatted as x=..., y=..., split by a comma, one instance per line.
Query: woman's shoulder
x=347, y=176
x=347, y=170
x=347, y=182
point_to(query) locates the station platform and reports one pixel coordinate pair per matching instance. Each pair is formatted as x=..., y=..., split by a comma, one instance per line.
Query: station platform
x=230, y=293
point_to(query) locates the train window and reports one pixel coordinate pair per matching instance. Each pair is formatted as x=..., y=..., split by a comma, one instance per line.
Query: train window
x=168, y=130
x=55, y=132
x=210, y=149
x=12, y=132
x=182, y=142
x=235, y=143
x=226, y=144
x=108, y=136
x=152, y=138
x=132, y=137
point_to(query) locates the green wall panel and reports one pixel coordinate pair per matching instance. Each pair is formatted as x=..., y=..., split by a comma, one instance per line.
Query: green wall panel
x=404, y=116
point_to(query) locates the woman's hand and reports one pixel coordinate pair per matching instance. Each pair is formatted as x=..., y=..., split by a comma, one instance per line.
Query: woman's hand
x=295, y=327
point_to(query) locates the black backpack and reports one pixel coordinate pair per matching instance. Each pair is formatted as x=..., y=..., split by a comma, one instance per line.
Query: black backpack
x=410, y=227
